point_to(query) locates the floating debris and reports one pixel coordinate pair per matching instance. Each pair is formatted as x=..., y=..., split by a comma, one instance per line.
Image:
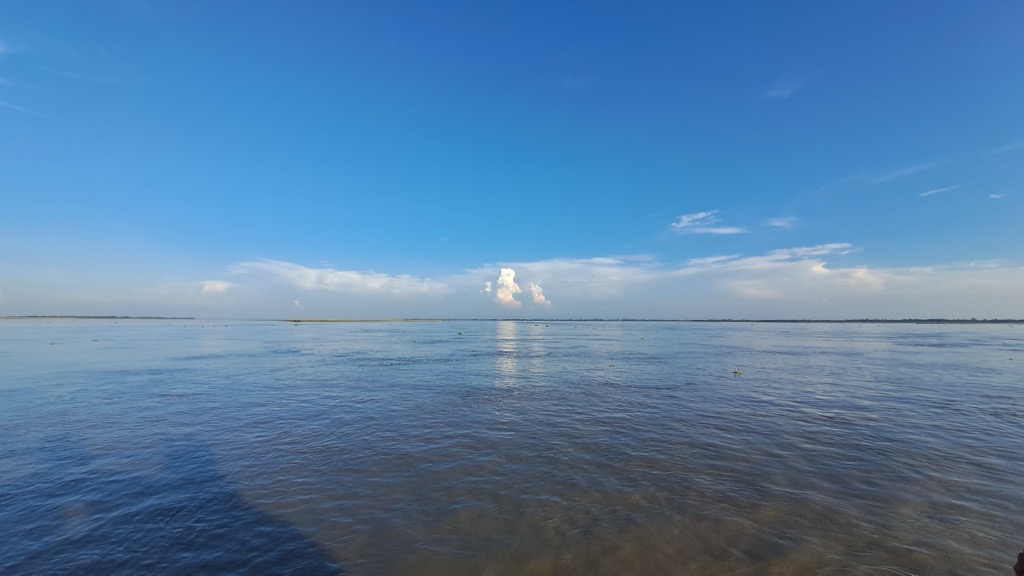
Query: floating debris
x=738, y=372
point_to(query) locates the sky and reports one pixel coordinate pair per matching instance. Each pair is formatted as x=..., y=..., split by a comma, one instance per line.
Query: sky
x=534, y=159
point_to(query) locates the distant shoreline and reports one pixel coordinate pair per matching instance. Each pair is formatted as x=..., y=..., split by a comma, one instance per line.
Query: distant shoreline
x=548, y=320
x=328, y=320
x=73, y=317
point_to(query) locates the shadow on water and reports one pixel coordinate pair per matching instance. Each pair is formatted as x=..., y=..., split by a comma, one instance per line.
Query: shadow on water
x=166, y=512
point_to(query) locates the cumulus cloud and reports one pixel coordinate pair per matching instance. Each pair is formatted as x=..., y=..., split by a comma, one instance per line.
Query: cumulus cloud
x=702, y=223
x=507, y=288
x=796, y=282
x=599, y=277
x=816, y=281
x=214, y=286
x=369, y=283
x=538, y=295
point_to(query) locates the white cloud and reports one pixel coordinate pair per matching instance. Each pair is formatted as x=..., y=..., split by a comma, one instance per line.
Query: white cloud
x=214, y=286
x=903, y=172
x=799, y=282
x=487, y=287
x=709, y=260
x=997, y=196
x=368, y=283
x=702, y=223
x=696, y=219
x=6, y=104
x=601, y=277
x=820, y=281
x=507, y=288
x=538, y=295
x=771, y=260
x=833, y=280
x=782, y=222
x=1003, y=149
x=937, y=190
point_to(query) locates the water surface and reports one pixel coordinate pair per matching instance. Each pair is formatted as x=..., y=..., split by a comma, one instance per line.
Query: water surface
x=185, y=447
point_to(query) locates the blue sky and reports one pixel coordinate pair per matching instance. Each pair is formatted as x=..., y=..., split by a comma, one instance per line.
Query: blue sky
x=530, y=159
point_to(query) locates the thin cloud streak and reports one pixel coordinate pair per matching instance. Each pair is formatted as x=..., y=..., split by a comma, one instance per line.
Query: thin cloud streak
x=938, y=190
x=903, y=172
x=702, y=223
x=24, y=110
x=783, y=90
x=1003, y=149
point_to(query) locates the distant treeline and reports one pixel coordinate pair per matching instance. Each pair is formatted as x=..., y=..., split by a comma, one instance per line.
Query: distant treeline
x=722, y=320
x=902, y=321
x=783, y=321
x=65, y=317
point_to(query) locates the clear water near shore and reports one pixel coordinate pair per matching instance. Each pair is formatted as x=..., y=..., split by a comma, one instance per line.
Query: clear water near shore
x=174, y=447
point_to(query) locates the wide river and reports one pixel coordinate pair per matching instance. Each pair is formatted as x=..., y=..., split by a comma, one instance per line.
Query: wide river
x=508, y=448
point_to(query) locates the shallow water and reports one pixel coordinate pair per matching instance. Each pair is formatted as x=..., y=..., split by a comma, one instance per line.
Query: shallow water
x=483, y=447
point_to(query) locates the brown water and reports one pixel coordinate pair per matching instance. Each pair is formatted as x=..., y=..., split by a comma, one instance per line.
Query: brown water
x=510, y=448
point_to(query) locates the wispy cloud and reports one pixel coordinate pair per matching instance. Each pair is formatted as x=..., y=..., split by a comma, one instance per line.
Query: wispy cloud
x=771, y=259
x=17, y=108
x=702, y=223
x=783, y=89
x=782, y=222
x=1003, y=149
x=997, y=196
x=367, y=283
x=816, y=281
x=801, y=282
x=938, y=190
x=902, y=172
